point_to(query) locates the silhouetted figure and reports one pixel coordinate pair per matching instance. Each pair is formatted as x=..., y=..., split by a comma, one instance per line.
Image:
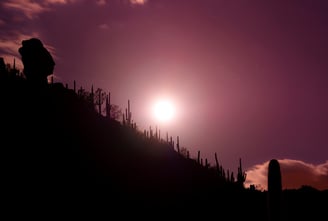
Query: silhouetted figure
x=38, y=62
x=274, y=191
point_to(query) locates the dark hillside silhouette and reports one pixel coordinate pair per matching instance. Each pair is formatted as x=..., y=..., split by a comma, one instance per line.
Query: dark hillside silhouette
x=59, y=154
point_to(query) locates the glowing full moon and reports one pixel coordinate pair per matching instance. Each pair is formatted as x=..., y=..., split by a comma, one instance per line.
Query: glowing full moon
x=163, y=110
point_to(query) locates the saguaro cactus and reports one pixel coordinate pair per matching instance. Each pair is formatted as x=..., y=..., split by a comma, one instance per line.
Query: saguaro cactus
x=216, y=162
x=241, y=175
x=108, y=105
x=198, y=157
x=129, y=114
x=274, y=191
x=91, y=97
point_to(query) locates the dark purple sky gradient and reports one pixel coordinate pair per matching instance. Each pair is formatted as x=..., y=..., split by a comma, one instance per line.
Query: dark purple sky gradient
x=250, y=78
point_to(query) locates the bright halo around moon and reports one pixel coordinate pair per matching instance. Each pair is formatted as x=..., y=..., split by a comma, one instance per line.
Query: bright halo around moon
x=164, y=111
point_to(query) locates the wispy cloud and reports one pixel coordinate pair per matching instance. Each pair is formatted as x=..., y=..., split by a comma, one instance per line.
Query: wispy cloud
x=9, y=47
x=59, y=1
x=31, y=8
x=101, y=2
x=138, y=2
x=294, y=174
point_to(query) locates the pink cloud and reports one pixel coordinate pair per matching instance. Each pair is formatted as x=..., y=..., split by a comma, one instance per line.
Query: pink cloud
x=138, y=2
x=9, y=48
x=294, y=173
x=58, y=1
x=101, y=2
x=29, y=8
x=33, y=8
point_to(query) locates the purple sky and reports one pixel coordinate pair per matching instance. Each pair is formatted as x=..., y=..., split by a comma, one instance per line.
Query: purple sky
x=249, y=78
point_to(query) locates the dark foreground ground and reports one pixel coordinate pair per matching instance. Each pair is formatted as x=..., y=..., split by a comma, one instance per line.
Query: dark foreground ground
x=59, y=158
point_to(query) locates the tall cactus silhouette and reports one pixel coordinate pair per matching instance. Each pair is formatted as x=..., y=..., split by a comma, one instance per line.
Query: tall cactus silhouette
x=274, y=191
x=217, y=162
x=92, y=97
x=198, y=157
x=129, y=114
x=108, y=105
x=241, y=176
x=178, y=144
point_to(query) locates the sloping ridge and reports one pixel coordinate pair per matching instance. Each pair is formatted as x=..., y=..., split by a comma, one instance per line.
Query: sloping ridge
x=60, y=157
x=54, y=143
